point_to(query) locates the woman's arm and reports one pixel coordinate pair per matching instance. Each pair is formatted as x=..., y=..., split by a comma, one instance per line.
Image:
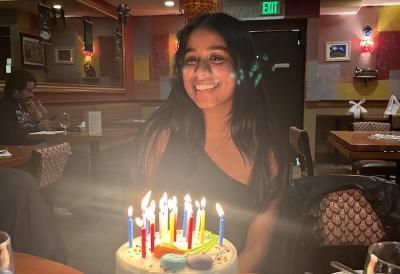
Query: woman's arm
x=259, y=234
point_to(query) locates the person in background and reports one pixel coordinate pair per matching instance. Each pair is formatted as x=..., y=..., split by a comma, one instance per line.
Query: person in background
x=16, y=122
x=215, y=138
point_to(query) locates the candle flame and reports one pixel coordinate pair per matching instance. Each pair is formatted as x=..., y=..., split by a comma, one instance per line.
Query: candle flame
x=175, y=200
x=145, y=200
x=139, y=222
x=153, y=206
x=162, y=203
x=219, y=210
x=203, y=203
x=171, y=205
x=188, y=199
x=197, y=204
x=130, y=211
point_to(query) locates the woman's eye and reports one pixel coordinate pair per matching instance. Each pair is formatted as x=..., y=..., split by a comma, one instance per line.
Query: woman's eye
x=217, y=58
x=190, y=60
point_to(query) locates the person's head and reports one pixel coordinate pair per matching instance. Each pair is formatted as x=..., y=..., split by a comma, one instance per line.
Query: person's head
x=215, y=58
x=20, y=84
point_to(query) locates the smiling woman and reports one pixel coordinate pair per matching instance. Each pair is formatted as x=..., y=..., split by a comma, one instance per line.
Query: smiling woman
x=59, y=64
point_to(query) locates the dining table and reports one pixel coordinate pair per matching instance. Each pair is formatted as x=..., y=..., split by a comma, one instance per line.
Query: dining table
x=368, y=145
x=83, y=136
x=128, y=123
x=28, y=264
x=20, y=155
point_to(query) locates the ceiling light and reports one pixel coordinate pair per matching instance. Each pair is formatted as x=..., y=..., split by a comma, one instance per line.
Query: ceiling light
x=57, y=7
x=169, y=3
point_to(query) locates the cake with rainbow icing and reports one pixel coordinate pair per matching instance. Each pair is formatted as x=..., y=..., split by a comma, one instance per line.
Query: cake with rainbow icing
x=209, y=257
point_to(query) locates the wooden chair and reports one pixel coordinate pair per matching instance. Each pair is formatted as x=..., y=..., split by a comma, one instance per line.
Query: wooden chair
x=394, y=121
x=46, y=166
x=373, y=167
x=300, y=143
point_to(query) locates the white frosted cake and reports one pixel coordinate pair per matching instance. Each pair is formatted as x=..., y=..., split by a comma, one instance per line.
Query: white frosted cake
x=206, y=258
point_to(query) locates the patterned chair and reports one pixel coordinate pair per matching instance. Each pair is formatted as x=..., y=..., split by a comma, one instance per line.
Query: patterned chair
x=47, y=166
x=300, y=143
x=336, y=218
x=373, y=167
x=394, y=120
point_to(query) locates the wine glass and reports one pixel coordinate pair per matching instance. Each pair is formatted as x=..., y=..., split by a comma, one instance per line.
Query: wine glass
x=383, y=257
x=64, y=121
x=6, y=255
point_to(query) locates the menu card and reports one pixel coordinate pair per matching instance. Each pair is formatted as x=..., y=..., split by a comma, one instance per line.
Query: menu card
x=93, y=122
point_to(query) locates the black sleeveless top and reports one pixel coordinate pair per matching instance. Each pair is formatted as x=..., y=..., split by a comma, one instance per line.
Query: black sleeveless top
x=207, y=180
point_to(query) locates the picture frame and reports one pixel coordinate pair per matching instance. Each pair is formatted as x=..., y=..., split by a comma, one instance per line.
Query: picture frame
x=118, y=45
x=337, y=51
x=88, y=36
x=32, y=51
x=64, y=55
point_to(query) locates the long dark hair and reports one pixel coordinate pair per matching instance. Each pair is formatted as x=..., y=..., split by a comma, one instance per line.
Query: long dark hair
x=17, y=80
x=250, y=123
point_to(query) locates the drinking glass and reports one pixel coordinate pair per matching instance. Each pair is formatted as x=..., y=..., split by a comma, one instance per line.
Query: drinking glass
x=64, y=121
x=382, y=258
x=6, y=255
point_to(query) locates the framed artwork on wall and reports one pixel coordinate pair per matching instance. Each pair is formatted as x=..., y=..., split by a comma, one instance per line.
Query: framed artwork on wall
x=337, y=51
x=64, y=55
x=88, y=36
x=32, y=51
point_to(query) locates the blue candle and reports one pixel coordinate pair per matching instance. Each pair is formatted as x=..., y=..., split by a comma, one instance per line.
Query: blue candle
x=130, y=227
x=221, y=223
x=184, y=221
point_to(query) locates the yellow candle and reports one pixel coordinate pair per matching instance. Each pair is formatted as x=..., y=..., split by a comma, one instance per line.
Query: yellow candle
x=202, y=225
x=171, y=227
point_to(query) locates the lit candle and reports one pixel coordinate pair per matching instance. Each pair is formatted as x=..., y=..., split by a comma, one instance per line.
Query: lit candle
x=221, y=223
x=202, y=220
x=145, y=202
x=175, y=201
x=165, y=220
x=161, y=216
x=140, y=223
x=190, y=228
x=196, y=231
x=171, y=222
x=151, y=217
x=130, y=227
x=184, y=223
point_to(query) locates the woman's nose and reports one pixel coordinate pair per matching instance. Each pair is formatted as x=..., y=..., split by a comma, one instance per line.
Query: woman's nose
x=203, y=69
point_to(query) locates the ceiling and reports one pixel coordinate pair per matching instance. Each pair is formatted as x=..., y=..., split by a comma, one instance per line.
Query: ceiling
x=328, y=7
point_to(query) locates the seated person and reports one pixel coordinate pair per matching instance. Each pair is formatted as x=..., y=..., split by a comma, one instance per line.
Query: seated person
x=26, y=218
x=16, y=123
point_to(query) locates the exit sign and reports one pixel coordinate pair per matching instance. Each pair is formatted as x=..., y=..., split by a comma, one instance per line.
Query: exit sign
x=270, y=8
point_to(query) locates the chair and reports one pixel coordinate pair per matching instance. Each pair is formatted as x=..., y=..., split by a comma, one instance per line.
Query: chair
x=394, y=121
x=336, y=217
x=373, y=167
x=300, y=143
x=46, y=166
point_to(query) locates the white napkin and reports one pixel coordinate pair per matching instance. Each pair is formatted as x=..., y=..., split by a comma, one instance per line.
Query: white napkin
x=6, y=154
x=48, y=132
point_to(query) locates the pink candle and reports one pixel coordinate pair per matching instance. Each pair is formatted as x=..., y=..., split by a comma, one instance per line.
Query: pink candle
x=152, y=237
x=140, y=222
x=175, y=201
x=190, y=231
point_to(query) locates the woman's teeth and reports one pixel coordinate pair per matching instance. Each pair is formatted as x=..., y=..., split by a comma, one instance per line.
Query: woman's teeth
x=204, y=87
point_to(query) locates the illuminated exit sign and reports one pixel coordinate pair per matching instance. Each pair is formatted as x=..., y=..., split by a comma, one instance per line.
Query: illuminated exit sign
x=270, y=8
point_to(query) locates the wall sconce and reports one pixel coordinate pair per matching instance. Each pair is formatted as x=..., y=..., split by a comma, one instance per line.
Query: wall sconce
x=366, y=44
x=123, y=13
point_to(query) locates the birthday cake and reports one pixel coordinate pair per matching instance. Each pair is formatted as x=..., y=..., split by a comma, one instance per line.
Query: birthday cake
x=209, y=257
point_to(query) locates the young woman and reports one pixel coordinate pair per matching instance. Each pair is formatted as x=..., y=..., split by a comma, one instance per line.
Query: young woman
x=213, y=137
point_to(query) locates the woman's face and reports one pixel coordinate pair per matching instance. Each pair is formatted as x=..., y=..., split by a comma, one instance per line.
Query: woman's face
x=208, y=73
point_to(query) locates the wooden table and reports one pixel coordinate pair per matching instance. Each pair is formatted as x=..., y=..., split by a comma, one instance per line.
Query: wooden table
x=21, y=155
x=28, y=264
x=93, y=139
x=358, y=145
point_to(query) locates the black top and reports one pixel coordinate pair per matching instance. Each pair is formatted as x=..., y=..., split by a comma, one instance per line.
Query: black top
x=210, y=182
x=15, y=123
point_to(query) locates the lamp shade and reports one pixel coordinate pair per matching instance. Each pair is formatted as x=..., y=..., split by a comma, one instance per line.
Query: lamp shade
x=194, y=8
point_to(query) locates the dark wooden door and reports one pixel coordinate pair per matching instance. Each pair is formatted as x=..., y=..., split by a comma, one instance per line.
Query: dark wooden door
x=282, y=55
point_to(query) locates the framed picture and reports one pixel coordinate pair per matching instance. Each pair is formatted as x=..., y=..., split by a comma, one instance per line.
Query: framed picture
x=88, y=36
x=337, y=51
x=32, y=51
x=64, y=55
x=44, y=24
